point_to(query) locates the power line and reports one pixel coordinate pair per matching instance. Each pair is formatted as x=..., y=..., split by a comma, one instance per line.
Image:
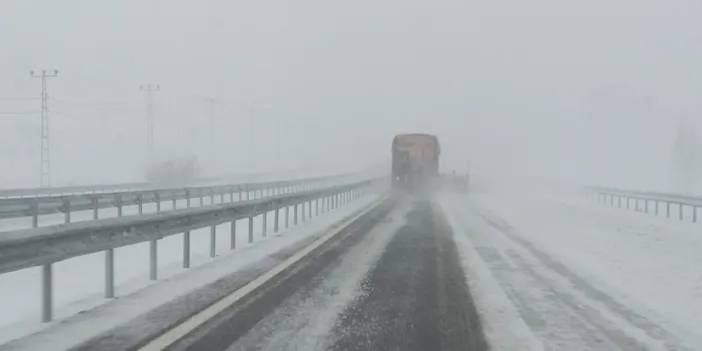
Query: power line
x=45, y=163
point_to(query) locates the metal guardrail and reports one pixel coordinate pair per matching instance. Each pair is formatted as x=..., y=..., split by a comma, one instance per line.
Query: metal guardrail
x=641, y=201
x=112, y=188
x=70, y=190
x=52, y=204
x=47, y=245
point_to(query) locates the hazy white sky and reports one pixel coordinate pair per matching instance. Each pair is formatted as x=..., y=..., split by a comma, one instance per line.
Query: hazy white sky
x=588, y=91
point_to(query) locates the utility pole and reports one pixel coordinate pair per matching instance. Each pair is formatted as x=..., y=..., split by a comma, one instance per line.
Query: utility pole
x=45, y=165
x=149, y=89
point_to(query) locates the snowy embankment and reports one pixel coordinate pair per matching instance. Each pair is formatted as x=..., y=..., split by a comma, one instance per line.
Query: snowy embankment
x=633, y=278
x=79, y=281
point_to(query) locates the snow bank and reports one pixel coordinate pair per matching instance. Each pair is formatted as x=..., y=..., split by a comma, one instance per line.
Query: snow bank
x=649, y=263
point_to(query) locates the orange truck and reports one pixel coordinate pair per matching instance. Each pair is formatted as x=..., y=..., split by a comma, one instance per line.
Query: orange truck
x=415, y=160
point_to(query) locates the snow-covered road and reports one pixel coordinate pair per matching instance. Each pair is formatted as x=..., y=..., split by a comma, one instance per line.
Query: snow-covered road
x=395, y=283
x=578, y=277
x=545, y=270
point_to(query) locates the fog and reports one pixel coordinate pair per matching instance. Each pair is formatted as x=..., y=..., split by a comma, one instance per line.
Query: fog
x=589, y=92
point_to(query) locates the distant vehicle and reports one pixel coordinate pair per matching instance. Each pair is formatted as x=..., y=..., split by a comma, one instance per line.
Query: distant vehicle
x=415, y=160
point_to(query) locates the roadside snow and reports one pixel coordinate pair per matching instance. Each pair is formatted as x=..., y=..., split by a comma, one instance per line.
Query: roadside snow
x=649, y=263
x=79, y=281
x=503, y=326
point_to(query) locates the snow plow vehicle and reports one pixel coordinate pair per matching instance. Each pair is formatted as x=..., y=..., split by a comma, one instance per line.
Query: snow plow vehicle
x=415, y=161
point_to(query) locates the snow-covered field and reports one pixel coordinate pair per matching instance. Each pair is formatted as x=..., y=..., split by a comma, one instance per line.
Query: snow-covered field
x=79, y=281
x=579, y=275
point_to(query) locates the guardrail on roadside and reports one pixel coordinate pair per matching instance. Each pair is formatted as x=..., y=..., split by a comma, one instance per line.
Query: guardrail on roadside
x=114, y=187
x=70, y=190
x=52, y=204
x=47, y=245
x=641, y=201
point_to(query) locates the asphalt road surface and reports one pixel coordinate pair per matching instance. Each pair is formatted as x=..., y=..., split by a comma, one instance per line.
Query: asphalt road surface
x=393, y=281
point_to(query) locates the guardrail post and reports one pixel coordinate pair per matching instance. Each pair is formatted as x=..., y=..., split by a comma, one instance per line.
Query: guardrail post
x=302, y=210
x=275, y=219
x=202, y=202
x=213, y=240
x=316, y=207
x=46, y=293
x=140, y=202
x=221, y=198
x=287, y=216
x=309, y=209
x=264, y=225
x=212, y=195
x=109, y=273
x=656, y=207
x=186, y=249
x=232, y=235
x=694, y=214
x=35, y=214
x=251, y=229
x=187, y=198
x=667, y=209
x=231, y=195
x=157, y=198
x=646, y=205
x=66, y=211
x=94, y=202
x=119, y=205
x=680, y=207
x=295, y=215
x=153, y=260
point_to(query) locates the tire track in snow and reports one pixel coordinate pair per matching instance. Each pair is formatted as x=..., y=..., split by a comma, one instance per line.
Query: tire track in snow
x=597, y=331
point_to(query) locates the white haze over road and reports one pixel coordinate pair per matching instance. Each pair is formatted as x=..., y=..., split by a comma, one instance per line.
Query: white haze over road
x=588, y=91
